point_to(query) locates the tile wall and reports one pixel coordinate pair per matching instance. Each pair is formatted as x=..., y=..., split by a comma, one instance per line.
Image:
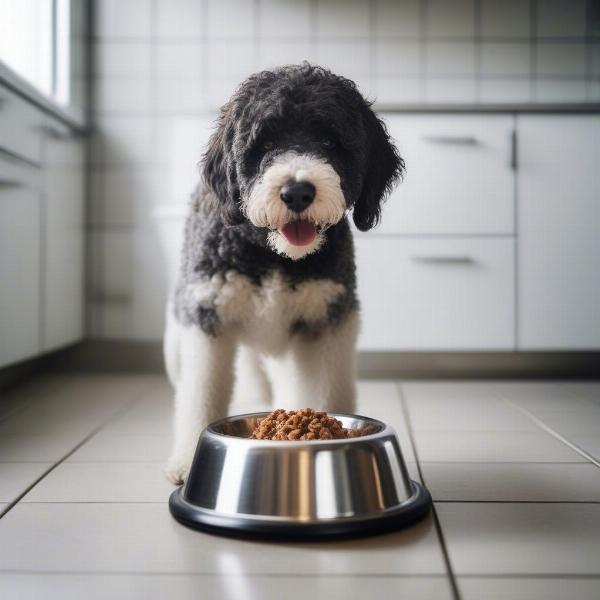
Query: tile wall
x=159, y=64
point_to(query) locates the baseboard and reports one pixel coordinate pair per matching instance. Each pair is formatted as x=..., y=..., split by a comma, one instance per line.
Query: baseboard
x=115, y=356
x=14, y=374
x=479, y=365
x=111, y=356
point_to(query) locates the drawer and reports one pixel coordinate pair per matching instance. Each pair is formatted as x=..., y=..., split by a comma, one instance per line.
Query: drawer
x=19, y=273
x=20, y=127
x=442, y=294
x=459, y=175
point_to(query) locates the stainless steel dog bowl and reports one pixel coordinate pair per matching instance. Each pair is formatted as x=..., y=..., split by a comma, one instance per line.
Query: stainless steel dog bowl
x=298, y=489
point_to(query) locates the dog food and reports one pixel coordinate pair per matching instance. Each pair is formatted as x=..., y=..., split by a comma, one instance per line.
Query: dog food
x=304, y=424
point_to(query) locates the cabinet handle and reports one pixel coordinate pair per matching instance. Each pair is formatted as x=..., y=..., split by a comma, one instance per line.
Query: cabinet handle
x=452, y=140
x=445, y=260
x=10, y=183
x=54, y=133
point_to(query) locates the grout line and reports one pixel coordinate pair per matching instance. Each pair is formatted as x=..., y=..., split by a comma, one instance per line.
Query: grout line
x=438, y=526
x=423, y=576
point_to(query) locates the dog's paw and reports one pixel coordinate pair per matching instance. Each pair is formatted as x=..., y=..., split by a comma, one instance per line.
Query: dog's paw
x=177, y=470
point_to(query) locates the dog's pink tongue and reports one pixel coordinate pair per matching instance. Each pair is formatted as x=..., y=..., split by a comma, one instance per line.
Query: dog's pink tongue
x=299, y=233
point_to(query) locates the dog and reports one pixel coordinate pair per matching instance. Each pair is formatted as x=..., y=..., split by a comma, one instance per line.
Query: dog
x=268, y=258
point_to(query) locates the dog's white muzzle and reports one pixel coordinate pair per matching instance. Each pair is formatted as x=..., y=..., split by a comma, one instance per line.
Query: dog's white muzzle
x=264, y=207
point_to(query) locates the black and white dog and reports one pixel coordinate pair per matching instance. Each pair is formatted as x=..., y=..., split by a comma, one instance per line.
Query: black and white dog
x=268, y=259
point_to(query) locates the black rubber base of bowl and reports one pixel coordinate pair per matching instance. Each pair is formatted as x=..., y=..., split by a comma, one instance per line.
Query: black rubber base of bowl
x=413, y=510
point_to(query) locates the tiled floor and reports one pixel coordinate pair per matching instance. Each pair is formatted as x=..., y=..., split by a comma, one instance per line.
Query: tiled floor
x=514, y=469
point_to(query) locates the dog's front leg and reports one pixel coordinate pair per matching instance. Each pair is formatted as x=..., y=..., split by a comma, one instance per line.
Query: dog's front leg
x=203, y=392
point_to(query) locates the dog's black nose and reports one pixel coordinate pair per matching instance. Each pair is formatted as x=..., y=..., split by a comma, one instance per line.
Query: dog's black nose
x=297, y=195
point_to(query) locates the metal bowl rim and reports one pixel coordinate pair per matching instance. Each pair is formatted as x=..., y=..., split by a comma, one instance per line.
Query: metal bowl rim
x=384, y=431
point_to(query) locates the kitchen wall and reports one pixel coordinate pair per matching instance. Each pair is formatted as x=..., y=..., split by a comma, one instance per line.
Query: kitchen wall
x=161, y=64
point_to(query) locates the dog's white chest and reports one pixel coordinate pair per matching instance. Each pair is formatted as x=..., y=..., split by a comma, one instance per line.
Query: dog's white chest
x=265, y=313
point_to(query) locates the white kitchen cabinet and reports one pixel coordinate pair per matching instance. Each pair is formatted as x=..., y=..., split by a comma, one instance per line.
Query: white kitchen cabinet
x=436, y=294
x=63, y=256
x=41, y=231
x=459, y=175
x=559, y=232
x=20, y=127
x=19, y=262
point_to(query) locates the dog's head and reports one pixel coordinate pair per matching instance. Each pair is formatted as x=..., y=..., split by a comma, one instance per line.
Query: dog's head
x=295, y=148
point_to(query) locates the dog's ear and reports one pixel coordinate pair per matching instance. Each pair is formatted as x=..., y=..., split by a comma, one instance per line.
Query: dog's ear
x=218, y=170
x=383, y=168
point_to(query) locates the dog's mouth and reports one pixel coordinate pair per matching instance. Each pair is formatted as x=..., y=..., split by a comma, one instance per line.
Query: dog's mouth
x=299, y=232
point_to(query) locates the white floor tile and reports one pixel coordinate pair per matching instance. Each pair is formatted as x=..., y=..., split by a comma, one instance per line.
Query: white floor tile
x=493, y=446
x=513, y=482
x=110, y=447
x=103, y=482
x=485, y=417
x=448, y=391
x=525, y=538
x=381, y=400
x=15, y=478
x=144, y=538
x=44, y=447
x=529, y=589
x=232, y=587
x=548, y=396
x=152, y=419
x=376, y=391
x=584, y=389
x=462, y=406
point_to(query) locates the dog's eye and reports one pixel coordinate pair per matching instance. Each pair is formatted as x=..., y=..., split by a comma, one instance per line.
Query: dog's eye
x=327, y=143
x=268, y=145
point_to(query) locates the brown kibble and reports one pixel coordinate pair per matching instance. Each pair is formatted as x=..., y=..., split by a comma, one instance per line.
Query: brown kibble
x=304, y=424
x=325, y=434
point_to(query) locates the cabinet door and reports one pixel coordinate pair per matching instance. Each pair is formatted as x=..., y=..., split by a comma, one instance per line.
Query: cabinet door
x=559, y=232
x=459, y=175
x=19, y=266
x=63, y=254
x=436, y=294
